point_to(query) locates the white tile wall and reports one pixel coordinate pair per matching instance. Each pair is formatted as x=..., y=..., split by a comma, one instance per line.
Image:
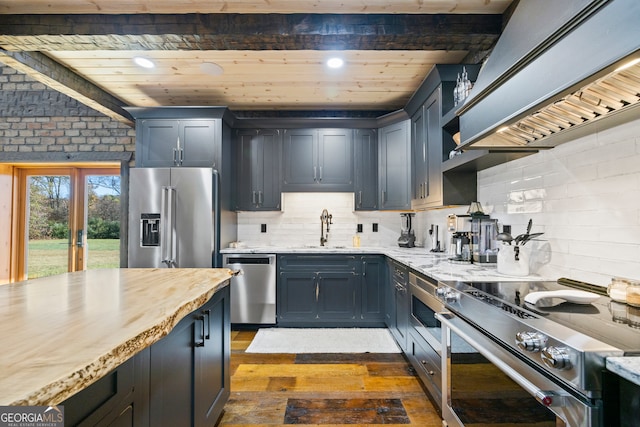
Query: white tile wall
x=584, y=195
x=299, y=222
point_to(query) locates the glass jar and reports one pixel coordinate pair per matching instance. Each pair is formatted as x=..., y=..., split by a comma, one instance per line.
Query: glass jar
x=617, y=289
x=633, y=293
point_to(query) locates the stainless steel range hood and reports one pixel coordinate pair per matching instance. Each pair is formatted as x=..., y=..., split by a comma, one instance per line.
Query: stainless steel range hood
x=553, y=73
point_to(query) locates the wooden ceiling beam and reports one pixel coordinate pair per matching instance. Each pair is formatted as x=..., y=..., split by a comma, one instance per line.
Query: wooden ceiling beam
x=45, y=70
x=249, y=32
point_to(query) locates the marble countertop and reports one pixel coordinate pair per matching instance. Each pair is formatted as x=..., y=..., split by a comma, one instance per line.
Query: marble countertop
x=626, y=367
x=438, y=266
x=61, y=333
x=434, y=264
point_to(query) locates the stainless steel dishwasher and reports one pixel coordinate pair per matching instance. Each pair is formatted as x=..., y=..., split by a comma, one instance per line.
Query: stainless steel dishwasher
x=253, y=292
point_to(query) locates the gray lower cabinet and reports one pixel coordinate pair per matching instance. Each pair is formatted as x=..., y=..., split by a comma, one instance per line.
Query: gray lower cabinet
x=189, y=368
x=113, y=400
x=395, y=166
x=182, y=380
x=258, y=154
x=398, y=303
x=366, y=169
x=330, y=290
x=373, y=285
x=318, y=160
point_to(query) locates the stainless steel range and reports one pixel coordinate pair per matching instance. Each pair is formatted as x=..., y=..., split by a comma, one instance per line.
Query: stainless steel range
x=510, y=361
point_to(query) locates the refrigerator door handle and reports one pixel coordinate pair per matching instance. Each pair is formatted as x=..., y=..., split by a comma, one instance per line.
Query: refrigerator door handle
x=167, y=243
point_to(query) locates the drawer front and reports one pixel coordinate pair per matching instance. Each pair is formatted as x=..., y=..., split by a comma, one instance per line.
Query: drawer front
x=318, y=262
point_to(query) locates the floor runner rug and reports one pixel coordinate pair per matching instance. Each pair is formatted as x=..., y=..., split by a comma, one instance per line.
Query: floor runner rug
x=323, y=340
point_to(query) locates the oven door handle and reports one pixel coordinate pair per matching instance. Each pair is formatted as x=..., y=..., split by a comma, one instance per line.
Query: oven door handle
x=545, y=397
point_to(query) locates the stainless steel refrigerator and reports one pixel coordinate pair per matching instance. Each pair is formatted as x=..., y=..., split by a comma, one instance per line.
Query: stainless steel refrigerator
x=177, y=218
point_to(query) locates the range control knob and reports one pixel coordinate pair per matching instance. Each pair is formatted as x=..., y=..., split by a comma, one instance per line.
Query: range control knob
x=556, y=357
x=530, y=341
x=440, y=291
x=451, y=296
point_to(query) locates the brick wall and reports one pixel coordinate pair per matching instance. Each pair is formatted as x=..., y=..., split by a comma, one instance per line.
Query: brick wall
x=34, y=118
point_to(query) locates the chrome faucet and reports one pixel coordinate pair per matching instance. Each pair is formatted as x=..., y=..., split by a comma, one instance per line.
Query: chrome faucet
x=325, y=219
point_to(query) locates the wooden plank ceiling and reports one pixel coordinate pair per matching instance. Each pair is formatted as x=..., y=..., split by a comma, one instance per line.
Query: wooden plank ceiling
x=271, y=53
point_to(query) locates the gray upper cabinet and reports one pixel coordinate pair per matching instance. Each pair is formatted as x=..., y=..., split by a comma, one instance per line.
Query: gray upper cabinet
x=426, y=143
x=366, y=169
x=183, y=142
x=318, y=160
x=433, y=123
x=258, y=154
x=395, y=166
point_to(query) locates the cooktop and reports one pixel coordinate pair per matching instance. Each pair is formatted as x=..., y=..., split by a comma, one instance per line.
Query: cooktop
x=608, y=321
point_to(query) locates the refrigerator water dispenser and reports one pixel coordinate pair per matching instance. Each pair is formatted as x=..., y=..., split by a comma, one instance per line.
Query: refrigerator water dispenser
x=150, y=229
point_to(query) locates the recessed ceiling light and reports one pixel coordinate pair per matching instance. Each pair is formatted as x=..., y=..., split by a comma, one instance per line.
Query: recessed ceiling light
x=211, y=68
x=143, y=62
x=335, y=62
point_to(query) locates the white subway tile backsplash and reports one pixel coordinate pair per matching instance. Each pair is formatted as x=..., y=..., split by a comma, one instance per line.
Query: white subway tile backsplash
x=584, y=195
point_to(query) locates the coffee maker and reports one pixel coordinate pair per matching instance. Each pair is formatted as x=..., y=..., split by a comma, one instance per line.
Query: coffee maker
x=484, y=231
x=407, y=238
x=460, y=245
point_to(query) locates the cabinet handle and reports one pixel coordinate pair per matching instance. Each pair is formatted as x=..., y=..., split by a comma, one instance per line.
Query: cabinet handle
x=207, y=315
x=199, y=343
x=260, y=198
x=425, y=187
x=360, y=198
x=364, y=269
x=384, y=197
x=253, y=197
x=175, y=156
x=181, y=155
x=317, y=291
x=320, y=173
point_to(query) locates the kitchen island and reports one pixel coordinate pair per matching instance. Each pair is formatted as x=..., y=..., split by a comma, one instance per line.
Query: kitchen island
x=61, y=334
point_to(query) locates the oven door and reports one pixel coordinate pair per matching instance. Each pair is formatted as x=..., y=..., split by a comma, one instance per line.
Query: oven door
x=485, y=384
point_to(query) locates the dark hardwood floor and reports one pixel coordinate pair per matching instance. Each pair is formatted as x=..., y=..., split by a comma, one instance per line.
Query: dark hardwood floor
x=348, y=390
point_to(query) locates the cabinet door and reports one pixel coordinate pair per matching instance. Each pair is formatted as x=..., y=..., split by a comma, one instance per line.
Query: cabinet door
x=395, y=167
x=157, y=143
x=300, y=159
x=419, y=154
x=245, y=194
x=171, y=377
x=297, y=296
x=402, y=316
x=211, y=360
x=258, y=155
x=108, y=401
x=433, y=138
x=198, y=143
x=366, y=169
x=373, y=288
x=336, y=296
x=267, y=170
x=335, y=159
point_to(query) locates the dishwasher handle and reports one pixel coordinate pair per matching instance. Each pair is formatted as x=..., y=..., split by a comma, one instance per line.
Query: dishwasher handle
x=248, y=260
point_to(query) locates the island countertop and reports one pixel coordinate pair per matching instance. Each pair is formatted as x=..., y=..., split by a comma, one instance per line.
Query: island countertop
x=60, y=334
